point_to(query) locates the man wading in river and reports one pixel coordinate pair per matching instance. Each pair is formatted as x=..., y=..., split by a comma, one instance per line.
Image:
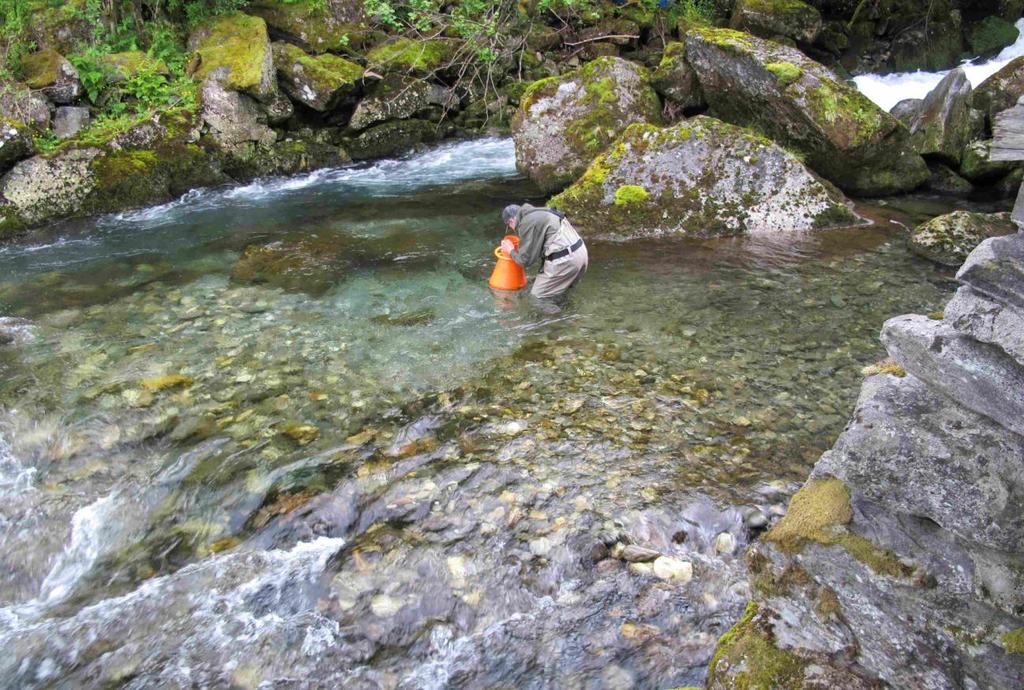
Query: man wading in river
x=545, y=234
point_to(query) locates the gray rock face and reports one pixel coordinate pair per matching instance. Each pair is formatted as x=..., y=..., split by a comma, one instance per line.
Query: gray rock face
x=702, y=178
x=395, y=98
x=233, y=118
x=563, y=122
x=942, y=126
x=19, y=104
x=15, y=144
x=41, y=188
x=792, y=19
x=949, y=238
x=675, y=79
x=1001, y=90
x=977, y=375
x=906, y=110
x=320, y=82
x=70, y=120
x=800, y=104
x=988, y=321
x=996, y=268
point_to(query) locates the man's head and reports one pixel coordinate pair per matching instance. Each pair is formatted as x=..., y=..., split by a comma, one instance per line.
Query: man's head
x=510, y=215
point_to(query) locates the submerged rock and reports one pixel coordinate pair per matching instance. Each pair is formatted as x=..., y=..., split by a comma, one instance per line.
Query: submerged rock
x=310, y=264
x=700, y=177
x=799, y=103
x=563, y=122
x=948, y=239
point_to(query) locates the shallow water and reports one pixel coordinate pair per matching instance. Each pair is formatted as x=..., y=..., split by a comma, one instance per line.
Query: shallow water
x=370, y=471
x=887, y=90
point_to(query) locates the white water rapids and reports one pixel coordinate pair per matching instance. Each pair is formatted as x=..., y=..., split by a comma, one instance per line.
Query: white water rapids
x=889, y=89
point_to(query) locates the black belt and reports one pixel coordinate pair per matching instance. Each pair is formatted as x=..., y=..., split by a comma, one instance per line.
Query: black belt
x=564, y=252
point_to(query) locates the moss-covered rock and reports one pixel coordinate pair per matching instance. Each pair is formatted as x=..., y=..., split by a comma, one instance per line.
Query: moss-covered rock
x=942, y=126
x=235, y=50
x=320, y=82
x=231, y=118
x=316, y=26
x=844, y=136
x=396, y=97
x=950, y=238
x=701, y=178
x=1001, y=90
x=15, y=143
x=748, y=657
x=42, y=188
x=422, y=57
x=770, y=18
x=976, y=164
x=563, y=122
x=675, y=80
x=946, y=181
x=391, y=138
x=991, y=35
x=48, y=72
x=287, y=157
x=128, y=64
x=19, y=104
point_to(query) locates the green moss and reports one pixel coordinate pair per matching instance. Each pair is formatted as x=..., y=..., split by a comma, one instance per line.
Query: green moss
x=630, y=195
x=727, y=39
x=820, y=512
x=1013, y=641
x=991, y=34
x=747, y=658
x=311, y=23
x=537, y=90
x=785, y=72
x=421, y=56
x=128, y=64
x=235, y=43
x=836, y=215
x=852, y=115
x=41, y=69
x=10, y=224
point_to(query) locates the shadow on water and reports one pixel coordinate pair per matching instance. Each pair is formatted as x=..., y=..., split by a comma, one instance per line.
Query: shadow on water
x=285, y=431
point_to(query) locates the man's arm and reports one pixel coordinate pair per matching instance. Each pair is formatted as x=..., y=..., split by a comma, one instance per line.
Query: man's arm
x=531, y=241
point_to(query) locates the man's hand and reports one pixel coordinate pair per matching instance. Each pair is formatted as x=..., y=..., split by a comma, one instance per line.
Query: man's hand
x=507, y=247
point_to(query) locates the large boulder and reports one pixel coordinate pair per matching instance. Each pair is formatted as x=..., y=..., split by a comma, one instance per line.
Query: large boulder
x=317, y=26
x=19, y=104
x=942, y=126
x=977, y=165
x=701, y=178
x=675, y=80
x=563, y=122
x=234, y=49
x=411, y=56
x=48, y=72
x=396, y=97
x=990, y=35
x=232, y=118
x=948, y=239
x=1001, y=90
x=800, y=104
x=42, y=188
x=770, y=18
x=15, y=143
x=320, y=82
x=392, y=138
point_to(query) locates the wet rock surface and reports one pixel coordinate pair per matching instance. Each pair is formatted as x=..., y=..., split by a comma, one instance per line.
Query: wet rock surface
x=949, y=238
x=898, y=562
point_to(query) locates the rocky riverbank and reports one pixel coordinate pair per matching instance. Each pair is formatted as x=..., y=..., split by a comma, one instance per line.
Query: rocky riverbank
x=899, y=560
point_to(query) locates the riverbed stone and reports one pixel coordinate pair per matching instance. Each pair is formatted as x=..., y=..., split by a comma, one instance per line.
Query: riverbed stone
x=949, y=238
x=70, y=120
x=792, y=19
x=320, y=82
x=701, y=178
x=672, y=569
x=307, y=264
x=50, y=73
x=942, y=125
x=675, y=80
x=563, y=122
x=234, y=50
x=1001, y=90
x=800, y=104
x=977, y=375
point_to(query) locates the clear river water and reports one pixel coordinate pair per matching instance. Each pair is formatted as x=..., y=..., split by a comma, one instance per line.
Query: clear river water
x=283, y=435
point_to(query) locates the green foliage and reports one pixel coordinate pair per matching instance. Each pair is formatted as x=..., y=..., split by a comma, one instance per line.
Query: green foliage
x=91, y=71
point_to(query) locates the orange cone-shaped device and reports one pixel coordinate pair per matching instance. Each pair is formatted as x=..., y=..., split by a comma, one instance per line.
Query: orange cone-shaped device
x=507, y=274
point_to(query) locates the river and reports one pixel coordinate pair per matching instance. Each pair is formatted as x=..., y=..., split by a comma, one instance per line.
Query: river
x=368, y=471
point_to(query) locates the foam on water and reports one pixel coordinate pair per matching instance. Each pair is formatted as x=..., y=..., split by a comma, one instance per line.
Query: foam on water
x=14, y=477
x=87, y=540
x=889, y=89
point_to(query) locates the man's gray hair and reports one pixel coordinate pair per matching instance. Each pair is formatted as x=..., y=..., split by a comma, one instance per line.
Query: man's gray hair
x=509, y=212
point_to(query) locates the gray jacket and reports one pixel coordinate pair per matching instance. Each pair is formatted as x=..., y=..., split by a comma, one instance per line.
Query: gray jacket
x=541, y=232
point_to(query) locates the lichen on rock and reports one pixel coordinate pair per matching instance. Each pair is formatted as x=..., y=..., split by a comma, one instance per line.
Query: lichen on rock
x=949, y=238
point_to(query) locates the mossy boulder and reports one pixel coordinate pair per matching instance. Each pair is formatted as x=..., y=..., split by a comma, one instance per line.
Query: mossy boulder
x=48, y=72
x=675, y=80
x=747, y=656
x=43, y=188
x=1001, y=90
x=128, y=64
x=234, y=49
x=392, y=138
x=770, y=18
x=991, y=35
x=15, y=143
x=950, y=238
x=843, y=135
x=946, y=181
x=942, y=126
x=563, y=122
x=411, y=56
x=318, y=27
x=700, y=178
x=286, y=157
x=320, y=82
x=231, y=118
x=19, y=104
x=396, y=97
x=976, y=163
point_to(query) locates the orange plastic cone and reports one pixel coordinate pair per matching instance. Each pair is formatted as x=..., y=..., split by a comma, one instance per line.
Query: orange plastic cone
x=507, y=274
